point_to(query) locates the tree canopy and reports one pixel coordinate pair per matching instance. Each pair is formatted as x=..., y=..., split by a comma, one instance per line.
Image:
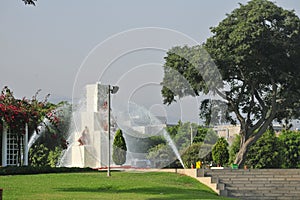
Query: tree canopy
x=29, y=2
x=256, y=49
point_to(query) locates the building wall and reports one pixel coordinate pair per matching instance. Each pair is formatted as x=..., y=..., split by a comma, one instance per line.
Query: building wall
x=296, y=124
x=227, y=131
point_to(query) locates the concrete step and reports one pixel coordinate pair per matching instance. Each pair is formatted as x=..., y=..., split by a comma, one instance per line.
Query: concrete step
x=254, y=171
x=254, y=174
x=257, y=184
x=249, y=178
x=258, y=177
x=262, y=189
x=258, y=196
x=255, y=179
x=268, y=198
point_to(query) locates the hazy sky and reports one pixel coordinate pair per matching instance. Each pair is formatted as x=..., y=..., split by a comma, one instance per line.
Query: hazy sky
x=50, y=46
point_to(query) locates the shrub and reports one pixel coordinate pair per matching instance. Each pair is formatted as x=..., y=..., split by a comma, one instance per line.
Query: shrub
x=38, y=155
x=197, y=152
x=54, y=156
x=161, y=155
x=290, y=144
x=265, y=153
x=220, y=152
x=119, y=148
x=23, y=170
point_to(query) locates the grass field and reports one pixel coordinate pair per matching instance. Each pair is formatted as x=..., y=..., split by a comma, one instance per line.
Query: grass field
x=96, y=185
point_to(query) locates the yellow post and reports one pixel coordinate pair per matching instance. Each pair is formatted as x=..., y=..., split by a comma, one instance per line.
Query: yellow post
x=198, y=165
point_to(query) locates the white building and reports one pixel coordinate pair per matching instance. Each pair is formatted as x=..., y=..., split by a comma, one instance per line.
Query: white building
x=295, y=124
x=227, y=131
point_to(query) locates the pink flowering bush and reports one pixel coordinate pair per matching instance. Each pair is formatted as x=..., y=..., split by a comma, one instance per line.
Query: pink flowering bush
x=17, y=112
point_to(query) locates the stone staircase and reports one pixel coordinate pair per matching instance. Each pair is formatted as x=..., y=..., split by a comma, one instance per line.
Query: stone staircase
x=254, y=183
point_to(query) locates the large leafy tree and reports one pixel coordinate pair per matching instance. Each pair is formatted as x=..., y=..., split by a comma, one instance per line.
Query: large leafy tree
x=257, y=51
x=29, y=2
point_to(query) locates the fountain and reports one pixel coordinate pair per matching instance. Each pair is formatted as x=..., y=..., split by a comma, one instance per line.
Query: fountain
x=173, y=146
x=88, y=140
x=35, y=136
x=138, y=122
x=89, y=134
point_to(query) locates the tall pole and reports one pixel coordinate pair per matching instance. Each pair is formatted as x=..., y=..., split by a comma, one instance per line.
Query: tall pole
x=4, y=143
x=25, y=146
x=191, y=133
x=108, y=167
x=112, y=90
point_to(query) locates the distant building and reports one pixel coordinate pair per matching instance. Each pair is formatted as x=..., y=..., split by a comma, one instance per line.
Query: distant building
x=296, y=124
x=227, y=131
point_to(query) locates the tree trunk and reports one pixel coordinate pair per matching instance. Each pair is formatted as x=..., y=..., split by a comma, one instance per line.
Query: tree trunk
x=241, y=155
x=247, y=140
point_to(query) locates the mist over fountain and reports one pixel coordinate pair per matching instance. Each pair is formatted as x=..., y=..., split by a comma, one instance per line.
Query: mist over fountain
x=138, y=122
x=88, y=138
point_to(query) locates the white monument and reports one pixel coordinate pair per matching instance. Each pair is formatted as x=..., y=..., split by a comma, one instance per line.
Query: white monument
x=91, y=147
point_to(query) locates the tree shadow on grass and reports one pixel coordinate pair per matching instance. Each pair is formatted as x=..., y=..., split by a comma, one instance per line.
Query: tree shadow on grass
x=162, y=192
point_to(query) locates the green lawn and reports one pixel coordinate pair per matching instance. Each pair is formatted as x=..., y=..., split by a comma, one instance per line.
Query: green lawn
x=96, y=185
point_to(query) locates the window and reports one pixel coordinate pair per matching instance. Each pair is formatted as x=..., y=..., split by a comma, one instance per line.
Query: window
x=12, y=149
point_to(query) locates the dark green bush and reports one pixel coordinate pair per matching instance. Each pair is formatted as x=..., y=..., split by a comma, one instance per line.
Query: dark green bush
x=197, y=152
x=13, y=170
x=265, y=153
x=220, y=153
x=119, y=148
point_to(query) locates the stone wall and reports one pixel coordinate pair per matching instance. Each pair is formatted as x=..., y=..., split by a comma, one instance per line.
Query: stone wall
x=247, y=184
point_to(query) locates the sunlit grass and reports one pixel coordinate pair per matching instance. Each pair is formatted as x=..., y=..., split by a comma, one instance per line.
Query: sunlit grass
x=96, y=185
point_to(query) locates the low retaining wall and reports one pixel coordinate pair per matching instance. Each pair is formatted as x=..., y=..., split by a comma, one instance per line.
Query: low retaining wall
x=246, y=183
x=256, y=183
x=188, y=172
